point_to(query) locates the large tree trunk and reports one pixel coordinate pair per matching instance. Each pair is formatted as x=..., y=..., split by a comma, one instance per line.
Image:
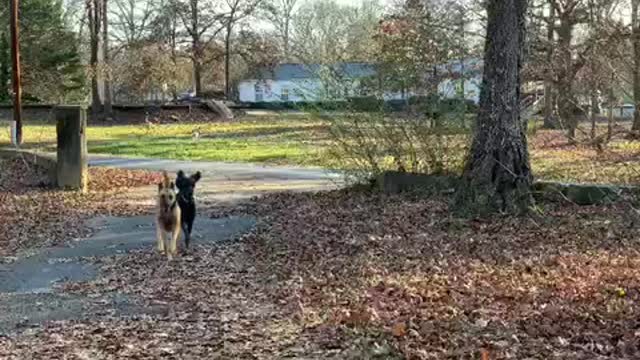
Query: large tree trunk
x=593, y=113
x=549, y=120
x=108, y=108
x=635, y=27
x=611, y=121
x=286, y=40
x=227, y=60
x=196, y=47
x=94, y=34
x=197, y=76
x=5, y=72
x=174, y=61
x=497, y=175
x=567, y=105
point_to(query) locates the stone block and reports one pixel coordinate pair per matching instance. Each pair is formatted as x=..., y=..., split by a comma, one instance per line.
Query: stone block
x=581, y=194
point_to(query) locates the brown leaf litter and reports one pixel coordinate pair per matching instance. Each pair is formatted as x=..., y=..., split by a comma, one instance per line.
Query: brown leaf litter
x=353, y=275
x=35, y=215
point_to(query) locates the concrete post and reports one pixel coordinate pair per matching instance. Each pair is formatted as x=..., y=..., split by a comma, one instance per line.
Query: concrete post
x=72, y=168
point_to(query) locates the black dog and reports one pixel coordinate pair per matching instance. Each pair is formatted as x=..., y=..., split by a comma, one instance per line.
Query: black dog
x=186, y=186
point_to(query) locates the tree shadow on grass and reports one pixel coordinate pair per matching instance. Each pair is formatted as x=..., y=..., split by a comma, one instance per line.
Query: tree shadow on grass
x=303, y=132
x=166, y=147
x=291, y=132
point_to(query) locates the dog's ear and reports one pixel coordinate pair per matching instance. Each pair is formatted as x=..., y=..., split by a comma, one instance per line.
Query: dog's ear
x=180, y=174
x=196, y=177
x=172, y=185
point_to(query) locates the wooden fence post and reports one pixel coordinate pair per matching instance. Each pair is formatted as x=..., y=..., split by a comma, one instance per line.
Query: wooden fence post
x=72, y=167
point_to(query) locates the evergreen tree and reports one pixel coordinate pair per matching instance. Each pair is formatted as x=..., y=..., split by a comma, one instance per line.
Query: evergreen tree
x=51, y=65
x=5, y=61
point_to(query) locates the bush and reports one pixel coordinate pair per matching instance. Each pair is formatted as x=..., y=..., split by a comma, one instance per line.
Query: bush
x=457, y=105
x=371, y=143
x=365, y=103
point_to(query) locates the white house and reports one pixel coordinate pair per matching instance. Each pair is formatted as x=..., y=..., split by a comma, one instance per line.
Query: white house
x=309, y=83
x=624, y=111
x=457, y=77
x=305, y=83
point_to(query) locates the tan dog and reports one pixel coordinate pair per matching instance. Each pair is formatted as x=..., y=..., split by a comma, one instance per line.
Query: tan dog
x=168, y=217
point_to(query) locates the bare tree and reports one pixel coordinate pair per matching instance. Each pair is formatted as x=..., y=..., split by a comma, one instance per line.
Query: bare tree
x=635, y=38
x=166, y=32
x=549, y=121
x=570, y=13
x=108, y=108
x=202, y=21
x=131, y=21
x=237, y=11
x=94, y=14
x=280, y=14
x=497, y=176
x=324, y=31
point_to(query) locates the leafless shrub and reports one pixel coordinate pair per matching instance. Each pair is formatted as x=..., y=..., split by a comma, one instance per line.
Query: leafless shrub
x=371, y=143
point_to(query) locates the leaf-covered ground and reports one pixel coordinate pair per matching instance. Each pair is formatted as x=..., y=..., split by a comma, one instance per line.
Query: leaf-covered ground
x=352, y=275
x=32, y=214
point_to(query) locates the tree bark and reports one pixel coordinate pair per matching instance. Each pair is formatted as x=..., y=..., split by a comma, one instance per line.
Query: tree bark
x=174, y=59
x=288, y=15
x=610, y=122
x=635, y=29
x=549, y=120
x=227, y=48
x=108, y=108
x=227, y=59
x=286, y=39
x=593, y=109
x=197, y=75
x=566, y=99
x=196, y=47
x=5, y=72
x=497, y=174
x=94, y=34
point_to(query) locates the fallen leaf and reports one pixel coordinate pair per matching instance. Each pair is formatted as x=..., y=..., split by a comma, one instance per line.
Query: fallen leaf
x=399, y=329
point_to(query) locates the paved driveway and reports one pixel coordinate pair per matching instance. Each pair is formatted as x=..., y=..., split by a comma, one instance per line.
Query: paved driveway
x=223, y=182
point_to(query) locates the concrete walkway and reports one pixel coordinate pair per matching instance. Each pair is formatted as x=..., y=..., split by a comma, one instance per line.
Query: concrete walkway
x=26, y=285
x=27, y=296
x=230, y=182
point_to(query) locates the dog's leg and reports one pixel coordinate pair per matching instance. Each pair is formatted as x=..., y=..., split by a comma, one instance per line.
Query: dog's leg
x=168, y=246
x=173, y=247
x=187, y=235
x=160, y=239
x=190, y=231
x=190, y=219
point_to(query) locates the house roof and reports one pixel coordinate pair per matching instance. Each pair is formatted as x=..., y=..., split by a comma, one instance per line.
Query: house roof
x=291, y=71
x=311, y=71
x=469, y=66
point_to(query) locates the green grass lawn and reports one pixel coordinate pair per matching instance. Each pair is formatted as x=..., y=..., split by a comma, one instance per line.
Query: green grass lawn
x=295, y=140
x=302, y=141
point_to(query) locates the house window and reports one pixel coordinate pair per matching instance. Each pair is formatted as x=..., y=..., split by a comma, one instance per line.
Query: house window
x=285, y=95
x=259, y=93
x=334, y=92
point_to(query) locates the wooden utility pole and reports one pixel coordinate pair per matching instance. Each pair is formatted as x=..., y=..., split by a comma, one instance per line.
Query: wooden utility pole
x=106, y=71
x=17, y=88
